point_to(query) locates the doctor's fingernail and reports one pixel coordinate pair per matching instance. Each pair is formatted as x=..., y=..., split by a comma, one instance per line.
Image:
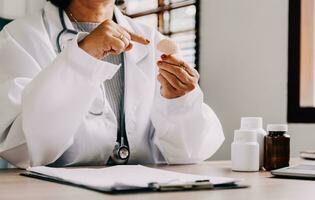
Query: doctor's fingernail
x=159, y=62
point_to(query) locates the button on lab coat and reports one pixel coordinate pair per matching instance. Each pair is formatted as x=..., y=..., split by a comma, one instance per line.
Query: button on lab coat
x=45, y=99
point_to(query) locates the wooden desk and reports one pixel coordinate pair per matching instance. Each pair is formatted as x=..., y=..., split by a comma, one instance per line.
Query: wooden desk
x=14, y=186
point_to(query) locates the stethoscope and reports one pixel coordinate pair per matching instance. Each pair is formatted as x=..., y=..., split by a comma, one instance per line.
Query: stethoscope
x=64, y=31
x=121, y=152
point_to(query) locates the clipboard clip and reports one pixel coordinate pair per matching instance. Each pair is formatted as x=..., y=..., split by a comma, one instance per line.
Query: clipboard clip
x=195, y=185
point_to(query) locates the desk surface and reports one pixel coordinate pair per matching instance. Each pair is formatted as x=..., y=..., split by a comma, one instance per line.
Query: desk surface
x=14, y=186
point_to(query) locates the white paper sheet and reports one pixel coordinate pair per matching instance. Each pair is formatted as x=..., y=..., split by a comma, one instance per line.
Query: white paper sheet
x=123, y=176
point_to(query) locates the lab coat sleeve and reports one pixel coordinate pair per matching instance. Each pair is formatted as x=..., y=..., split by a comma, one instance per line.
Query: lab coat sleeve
x=44, y=107
x=186, y=129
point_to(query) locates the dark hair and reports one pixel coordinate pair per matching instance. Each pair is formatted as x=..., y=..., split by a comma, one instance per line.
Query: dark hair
x=65, y=3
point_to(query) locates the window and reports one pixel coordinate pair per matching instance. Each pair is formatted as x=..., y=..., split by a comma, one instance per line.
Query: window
x=301, y=62
x=177, y=19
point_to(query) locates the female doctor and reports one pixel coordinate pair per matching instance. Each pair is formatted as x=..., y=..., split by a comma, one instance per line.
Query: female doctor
x=82, y=84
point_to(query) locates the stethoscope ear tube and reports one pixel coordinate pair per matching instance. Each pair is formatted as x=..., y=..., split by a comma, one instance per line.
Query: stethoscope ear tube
x=64, y=30
x=58, y=40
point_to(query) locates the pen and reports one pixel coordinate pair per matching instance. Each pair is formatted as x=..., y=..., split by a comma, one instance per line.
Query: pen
x=196, y=185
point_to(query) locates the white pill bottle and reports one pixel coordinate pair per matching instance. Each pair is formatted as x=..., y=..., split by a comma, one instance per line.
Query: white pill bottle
x=256, y=124
x=245, y=151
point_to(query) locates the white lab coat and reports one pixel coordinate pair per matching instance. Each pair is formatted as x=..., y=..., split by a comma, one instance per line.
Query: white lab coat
x=45, y=99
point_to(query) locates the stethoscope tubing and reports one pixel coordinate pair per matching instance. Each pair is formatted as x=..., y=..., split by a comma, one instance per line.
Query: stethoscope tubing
x=121, y=138
x=64, y=30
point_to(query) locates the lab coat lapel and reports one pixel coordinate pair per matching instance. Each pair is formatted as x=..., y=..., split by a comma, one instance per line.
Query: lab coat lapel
x=136, y=78
x=138, y=51
x=54, y=26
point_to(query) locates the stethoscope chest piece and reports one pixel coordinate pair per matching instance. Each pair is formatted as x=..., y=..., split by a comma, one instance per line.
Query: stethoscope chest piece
x=123, y=152
x=120, y=154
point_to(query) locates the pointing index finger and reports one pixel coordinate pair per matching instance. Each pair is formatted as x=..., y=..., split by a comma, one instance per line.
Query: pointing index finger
x=137, y=38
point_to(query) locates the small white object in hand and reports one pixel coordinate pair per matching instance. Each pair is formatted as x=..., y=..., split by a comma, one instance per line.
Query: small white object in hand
x=167, y=46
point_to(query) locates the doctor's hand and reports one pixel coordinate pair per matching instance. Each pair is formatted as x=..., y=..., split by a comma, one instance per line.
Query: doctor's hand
x=110, y=38
x=177, y=78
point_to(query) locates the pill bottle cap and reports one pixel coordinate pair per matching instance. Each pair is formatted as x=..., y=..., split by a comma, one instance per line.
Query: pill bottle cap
x=277, y=127
x=245, y=136
x=251, y=122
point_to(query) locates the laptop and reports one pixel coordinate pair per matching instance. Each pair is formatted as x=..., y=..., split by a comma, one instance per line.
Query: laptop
x=301, y=171
x=308, y=155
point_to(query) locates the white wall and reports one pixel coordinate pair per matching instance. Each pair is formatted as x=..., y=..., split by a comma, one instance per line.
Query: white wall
x=12, y=9
x=244, y=66
x=33, y=5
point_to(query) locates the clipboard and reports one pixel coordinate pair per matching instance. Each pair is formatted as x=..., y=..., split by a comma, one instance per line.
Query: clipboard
x=201, y=184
